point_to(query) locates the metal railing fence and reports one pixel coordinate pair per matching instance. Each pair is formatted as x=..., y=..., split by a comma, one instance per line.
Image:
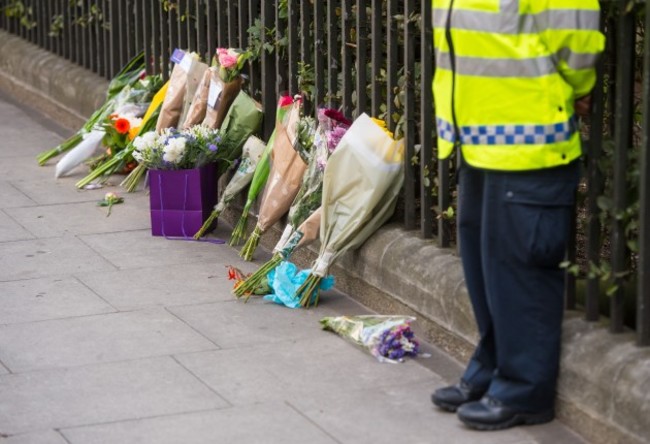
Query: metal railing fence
x=375, y=56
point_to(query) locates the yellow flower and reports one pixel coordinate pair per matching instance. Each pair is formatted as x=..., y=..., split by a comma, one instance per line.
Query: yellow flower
x=382, y=124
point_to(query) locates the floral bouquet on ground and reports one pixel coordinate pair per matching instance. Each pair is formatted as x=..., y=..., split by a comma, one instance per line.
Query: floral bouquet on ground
x=120, y=159
x=285, y=178
x=178, y=149
x=388, y=338
x=252, y=152
x=262, y=170
x=130, y=74
x=362, y=181
x=331, y=128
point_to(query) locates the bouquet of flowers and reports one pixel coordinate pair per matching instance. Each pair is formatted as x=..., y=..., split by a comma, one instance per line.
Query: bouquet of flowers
x=230, y=62
x=172, y=105
x=285, y=177
x=262, y=170
x=179, y=149
x=252, y=152
x=362, y=180
x=118, y=160
x=331, y=128
x=116, y=129
x=131, y=73
x=388, y=338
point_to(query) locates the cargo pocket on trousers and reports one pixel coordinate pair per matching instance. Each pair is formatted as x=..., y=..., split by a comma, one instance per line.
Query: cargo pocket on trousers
x=538, y=219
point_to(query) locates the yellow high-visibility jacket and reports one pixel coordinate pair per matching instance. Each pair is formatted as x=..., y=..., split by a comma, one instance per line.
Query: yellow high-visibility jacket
x=507, y=75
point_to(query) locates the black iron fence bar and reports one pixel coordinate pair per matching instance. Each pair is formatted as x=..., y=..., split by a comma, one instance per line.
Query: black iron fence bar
x=178, y=24
x=147, y=33
x=255, y=70
x=114, y=41
x=91, y=39
x=595, y=187
x=165, y=42
x=409, y=115
x=625, y=55
x=268, y=69
x=83, y=33
x=307, y=44
x=211, y=23
x=192, y=28
x=293, y=49
x=376, y=56
x=281, y=68
x=361, y=56
x=138, y=20
x=41, y=20
x=426, y=122
x=153, y=40
x=643, y=285
x=391, y=61
x=222, y=24
x=332, y=60
x=319, y=56
x=242, y=26
x=232, y=24
x=201, y=30
x=346, y=57
x=61, y=36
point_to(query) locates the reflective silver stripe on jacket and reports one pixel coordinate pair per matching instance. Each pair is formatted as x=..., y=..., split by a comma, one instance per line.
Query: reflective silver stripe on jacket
x=507, y=67
x=527, y=23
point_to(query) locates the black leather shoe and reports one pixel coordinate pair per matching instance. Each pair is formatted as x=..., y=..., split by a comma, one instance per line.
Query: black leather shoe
x=491, y=414
x=451, y=397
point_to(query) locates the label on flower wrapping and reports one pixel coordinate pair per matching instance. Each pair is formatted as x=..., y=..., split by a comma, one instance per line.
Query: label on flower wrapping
x=186, y=63
x=322, y=264
x=214, y=93
x=177, y=55
x=284, y=238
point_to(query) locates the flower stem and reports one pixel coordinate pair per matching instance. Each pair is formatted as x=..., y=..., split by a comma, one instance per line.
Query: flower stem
x=240, y=229
x=247, y=287
x=251, y=244
x=60, y=149
x=131, y=182
x=309, y=291
x=207, y=224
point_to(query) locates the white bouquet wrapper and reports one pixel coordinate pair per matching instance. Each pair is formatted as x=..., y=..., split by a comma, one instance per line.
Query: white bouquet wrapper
x=88, y=147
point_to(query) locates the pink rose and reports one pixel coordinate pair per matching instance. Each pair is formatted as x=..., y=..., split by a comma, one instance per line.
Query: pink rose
x=227, y=61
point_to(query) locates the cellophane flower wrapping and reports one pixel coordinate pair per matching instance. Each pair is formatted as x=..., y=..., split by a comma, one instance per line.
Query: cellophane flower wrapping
x=172, y=106
x=199, y=103
x=388, y=338
x=331, y=127
x=221, y=95
x=130, y=74
x=361, y=183
x=193, y=82
x=285, y=279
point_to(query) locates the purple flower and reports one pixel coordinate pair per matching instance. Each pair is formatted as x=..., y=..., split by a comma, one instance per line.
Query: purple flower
x=212, y=147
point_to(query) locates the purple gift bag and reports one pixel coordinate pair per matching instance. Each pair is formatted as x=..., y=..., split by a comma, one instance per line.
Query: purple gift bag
x=181, y=200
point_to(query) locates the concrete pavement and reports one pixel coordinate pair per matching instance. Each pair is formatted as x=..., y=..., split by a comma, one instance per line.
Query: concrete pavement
x=110, y=335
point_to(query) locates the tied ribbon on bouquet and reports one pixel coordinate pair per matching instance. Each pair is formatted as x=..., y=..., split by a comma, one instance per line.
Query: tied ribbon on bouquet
x=361, y=184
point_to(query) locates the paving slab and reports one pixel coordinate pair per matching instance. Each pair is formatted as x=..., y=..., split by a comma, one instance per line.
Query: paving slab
x=99, y=394
x=146, y=250
x=48, y=298
x=93, y=339
x=10, y=230
x=285, y=371
x=55, y=220
x=46, y=437
x=237, y=323
x=22, y=167
x=47, y=257
x=12, y=196
x=202, y=283
x=48, y=191
x=260, y=424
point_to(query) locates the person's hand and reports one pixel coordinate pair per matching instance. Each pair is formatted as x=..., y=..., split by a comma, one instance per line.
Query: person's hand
x=582, y=106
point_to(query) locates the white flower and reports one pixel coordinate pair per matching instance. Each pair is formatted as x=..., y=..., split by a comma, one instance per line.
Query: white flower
x=137, y=155
x=174, y=149
x=146, y=141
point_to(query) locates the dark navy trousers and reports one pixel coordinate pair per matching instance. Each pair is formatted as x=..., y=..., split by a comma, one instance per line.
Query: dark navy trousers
x=513, y=232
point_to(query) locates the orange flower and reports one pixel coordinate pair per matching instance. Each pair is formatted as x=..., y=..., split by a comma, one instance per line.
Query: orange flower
x=122, y=126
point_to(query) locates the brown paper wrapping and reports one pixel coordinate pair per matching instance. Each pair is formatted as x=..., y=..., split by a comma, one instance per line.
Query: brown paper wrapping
x=214, y=116
x=285, y=178
x=199, y=103
x=193, y=81
x=170, y=110
x=310, y=228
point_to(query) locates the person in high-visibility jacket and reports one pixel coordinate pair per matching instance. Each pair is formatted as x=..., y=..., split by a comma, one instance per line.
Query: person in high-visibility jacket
x=509, y=76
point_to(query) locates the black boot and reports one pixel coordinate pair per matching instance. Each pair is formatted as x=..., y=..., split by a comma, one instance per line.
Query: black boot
x=451, y=397
x=490, y=414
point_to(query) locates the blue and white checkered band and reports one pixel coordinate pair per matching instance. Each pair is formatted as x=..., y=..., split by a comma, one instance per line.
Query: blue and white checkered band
x=509, y=134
